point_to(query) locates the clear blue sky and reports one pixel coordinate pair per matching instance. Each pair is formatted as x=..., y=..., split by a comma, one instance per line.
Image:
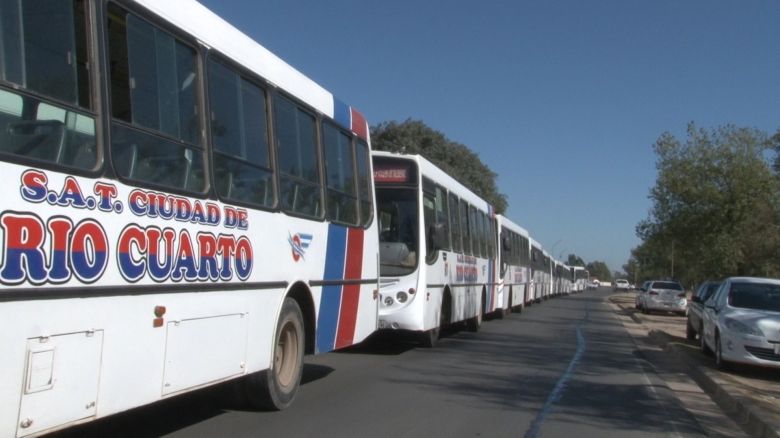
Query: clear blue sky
x=563, y=99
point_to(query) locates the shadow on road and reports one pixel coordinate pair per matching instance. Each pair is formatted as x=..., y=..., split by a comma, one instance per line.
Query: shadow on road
x=177, y=413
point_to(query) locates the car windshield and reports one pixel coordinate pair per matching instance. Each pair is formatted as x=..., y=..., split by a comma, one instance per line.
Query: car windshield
x=709, y=290
x=666, y=285
x=758, y=296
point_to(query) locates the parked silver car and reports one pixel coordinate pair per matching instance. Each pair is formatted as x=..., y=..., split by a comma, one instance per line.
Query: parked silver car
x=741, y=322
x=639, y=294
x=664, y=296
x=621, y=284
x=696, y=307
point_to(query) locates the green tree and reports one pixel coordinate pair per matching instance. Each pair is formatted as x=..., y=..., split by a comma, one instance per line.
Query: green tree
x=776, y=145
x=599, y=270
x=631, y=268
x=415, y=137
x=716, y=207
x=575, y=260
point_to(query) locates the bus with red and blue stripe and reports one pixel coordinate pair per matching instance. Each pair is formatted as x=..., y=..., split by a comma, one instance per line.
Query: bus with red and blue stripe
x=437, y=249
x=181, y=208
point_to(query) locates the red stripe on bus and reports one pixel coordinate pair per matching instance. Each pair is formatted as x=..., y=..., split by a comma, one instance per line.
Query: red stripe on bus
x=350, y=298
x=359, y=125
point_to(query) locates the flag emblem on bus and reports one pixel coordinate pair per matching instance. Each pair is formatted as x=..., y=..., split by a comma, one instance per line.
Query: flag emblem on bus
x=299, y=243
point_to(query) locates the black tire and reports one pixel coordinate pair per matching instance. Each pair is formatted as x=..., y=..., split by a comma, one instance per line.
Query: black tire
x=720, y=363
x=429, y=338
x=275, y=388
x=473, y=324
x=702, y=343
x=690, y=333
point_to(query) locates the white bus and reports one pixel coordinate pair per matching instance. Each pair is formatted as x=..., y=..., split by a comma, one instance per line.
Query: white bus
x=581, y=278
x=547, y=275
x=561, y=278
x=537, y=271
x=181, y=208
x=514, y=264
x=437, y=248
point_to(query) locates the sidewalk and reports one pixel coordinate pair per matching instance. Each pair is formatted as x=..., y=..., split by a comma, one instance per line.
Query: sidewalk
x=749, y=395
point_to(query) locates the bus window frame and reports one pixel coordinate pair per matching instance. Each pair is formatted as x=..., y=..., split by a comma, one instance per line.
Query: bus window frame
x=320, y=163
x=353, y=151
x=92, y=18
x=371, y=187
x=205, y=141
x=269, y=89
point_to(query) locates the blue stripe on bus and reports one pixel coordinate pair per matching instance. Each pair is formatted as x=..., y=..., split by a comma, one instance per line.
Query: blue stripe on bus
x=342, y=114
x=330, y=301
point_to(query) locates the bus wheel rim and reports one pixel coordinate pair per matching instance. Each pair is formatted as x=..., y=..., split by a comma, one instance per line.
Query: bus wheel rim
x=286, y=357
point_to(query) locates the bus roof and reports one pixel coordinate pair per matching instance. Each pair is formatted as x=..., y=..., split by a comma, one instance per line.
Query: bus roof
x=434, y=173
x=506, y=222
x=213, y=31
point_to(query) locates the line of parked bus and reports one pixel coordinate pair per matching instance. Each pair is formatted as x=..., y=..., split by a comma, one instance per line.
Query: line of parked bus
x=446, y=257
x=183, y=208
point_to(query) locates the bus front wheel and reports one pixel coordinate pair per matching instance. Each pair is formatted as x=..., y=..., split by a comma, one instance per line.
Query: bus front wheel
x=275, y=388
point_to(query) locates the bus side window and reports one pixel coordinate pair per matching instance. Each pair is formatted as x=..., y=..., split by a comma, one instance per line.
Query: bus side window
x=474, y=232
x=239, y=133
x=465, y=227
x=442, y=222
x=340, y=176
x=44, y=50
x=296, y=148
x=365, y=181
x=480, y=232
x=154, y=97
x=455, y=223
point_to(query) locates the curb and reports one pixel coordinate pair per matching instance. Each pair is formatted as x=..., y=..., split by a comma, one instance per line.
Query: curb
x=743, y=410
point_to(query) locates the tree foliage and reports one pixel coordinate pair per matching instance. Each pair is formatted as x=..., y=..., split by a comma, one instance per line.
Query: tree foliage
x=415, y=137
x=575, y=260
x=716, y=208
x=599, y=270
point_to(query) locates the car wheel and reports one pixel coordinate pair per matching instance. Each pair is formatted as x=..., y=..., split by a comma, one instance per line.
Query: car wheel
x=690, y=333
x=719, y=361
x=702, y=342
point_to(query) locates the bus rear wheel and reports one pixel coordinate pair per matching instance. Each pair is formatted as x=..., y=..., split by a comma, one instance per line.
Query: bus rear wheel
x=474, y=323
x=275, y=388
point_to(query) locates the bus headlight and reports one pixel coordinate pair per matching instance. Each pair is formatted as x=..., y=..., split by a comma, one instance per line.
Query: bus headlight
x=388, y=300
x=401, y=297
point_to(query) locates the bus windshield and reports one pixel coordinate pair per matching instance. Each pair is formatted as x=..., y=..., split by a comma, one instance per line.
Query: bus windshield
x=398, y=230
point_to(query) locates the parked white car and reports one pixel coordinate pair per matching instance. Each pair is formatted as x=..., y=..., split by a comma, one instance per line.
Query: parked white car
x=663, y=296
x=741, y=322
x=639, y=297
x=621, y=284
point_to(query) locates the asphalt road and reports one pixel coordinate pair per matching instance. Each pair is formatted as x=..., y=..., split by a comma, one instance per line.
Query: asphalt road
x=562, y=368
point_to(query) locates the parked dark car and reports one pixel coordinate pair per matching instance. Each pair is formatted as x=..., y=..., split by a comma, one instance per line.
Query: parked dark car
x=696, y=307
